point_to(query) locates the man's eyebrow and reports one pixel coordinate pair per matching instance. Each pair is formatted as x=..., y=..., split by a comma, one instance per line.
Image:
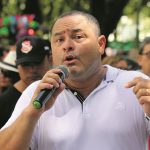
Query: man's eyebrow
x=76, y=30
x=58, y=33
x=72, y=30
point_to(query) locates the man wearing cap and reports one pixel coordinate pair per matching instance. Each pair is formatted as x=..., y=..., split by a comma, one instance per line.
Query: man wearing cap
x=8, y=71
x=33, y=60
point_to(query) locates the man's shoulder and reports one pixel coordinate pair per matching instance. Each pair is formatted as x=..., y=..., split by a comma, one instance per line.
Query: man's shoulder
x=127, y=73
x=131, y=74
x=124, y=76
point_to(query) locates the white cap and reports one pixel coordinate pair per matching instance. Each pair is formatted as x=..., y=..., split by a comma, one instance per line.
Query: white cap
x=9, y=62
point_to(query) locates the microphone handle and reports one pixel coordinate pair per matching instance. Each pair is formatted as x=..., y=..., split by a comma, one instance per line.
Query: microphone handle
x=43, y=97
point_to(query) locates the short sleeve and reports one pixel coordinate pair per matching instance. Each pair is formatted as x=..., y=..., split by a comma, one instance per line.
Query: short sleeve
x=22, y=103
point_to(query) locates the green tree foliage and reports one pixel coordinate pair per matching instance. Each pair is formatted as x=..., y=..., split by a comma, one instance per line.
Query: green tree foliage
x=108, y=12
x=135, y=5
x=45, y=11
x=139, y=12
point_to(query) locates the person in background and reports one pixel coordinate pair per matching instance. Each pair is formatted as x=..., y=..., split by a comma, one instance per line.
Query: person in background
x=121, y=62
x=116, y=61
x=132, y=64
x=3, y=52
x=33, y=60
x=144, y=61
x=144, y=56
x=8, y=71
x=102, y=107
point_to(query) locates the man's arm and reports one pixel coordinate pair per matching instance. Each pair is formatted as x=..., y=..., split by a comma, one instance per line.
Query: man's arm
x=18, y=135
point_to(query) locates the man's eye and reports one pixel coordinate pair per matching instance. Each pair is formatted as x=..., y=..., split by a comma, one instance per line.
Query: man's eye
x=78, y=37
x=59, y=40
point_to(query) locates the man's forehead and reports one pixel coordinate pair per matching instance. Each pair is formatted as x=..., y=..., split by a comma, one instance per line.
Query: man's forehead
x=69, y=22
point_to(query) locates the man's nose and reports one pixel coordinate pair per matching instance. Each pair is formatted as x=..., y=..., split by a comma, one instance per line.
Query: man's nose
x=68, y=45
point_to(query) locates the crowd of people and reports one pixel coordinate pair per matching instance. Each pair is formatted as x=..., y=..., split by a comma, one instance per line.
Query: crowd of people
x=102, y=104
x=32, y=58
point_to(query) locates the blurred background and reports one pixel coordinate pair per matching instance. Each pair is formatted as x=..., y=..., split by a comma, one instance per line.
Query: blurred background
x=125, y=23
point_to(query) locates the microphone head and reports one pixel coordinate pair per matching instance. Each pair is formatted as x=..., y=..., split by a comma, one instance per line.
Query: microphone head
x=64, y=70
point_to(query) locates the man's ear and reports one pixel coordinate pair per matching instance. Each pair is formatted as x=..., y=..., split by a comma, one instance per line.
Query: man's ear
x=102, y=43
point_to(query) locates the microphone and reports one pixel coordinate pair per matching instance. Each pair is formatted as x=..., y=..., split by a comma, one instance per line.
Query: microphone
x=45, y=94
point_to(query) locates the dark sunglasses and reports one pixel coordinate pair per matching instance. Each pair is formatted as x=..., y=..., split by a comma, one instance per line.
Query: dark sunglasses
x=7, y=73
x=30, y=64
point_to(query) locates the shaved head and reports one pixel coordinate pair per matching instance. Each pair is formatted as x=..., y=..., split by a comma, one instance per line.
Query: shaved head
x=90, y=19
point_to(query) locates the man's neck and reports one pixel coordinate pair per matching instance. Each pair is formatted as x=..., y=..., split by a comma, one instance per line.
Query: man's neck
x=87, y=86
x=20, y=86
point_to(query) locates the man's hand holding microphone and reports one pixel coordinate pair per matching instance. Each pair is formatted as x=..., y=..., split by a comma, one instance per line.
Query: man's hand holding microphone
x=49, y=88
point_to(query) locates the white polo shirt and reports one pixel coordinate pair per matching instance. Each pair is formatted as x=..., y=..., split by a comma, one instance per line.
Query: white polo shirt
x=110, y=118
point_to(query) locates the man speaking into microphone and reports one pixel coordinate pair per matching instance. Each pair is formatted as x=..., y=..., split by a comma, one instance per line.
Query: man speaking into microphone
x=95, y=108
